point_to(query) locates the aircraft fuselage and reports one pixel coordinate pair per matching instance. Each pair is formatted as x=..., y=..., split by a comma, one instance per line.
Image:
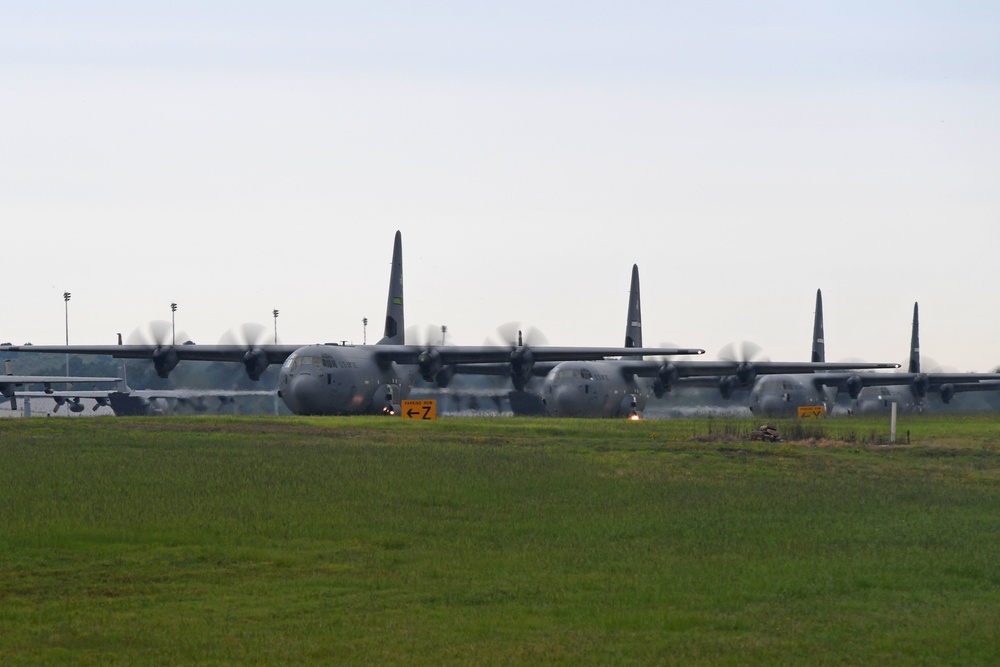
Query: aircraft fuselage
x=875, y=400
x=782, y=395
x=591, y=389
x=342, y=380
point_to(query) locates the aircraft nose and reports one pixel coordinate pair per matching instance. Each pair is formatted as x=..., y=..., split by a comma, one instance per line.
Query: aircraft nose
x=773, y=406
x=562, y=400
x=305, y=394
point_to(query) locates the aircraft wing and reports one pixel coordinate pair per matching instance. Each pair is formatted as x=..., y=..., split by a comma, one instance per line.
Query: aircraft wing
x=256, y=358
x=499, y=354
x=199, y=393
x=430, y=359
x=149, y=393
x=692, y=369
x=402, y=354
x=8, y=383
x=276, y=354
x=985, y=385
x=853, y=382
x=501, y=369
x=65, y=393
x=51, y=379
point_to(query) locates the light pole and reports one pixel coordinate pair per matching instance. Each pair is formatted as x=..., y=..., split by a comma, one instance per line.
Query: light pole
x=275, y=311
x=364, y=334
x=173, y=324
x=66, y=296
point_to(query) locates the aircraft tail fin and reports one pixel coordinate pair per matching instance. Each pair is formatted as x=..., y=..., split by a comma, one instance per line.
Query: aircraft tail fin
x=393, y=334
x=914, y=365
x=9, y=370
x=633, y=325
x=818, y=343
x=122, y=385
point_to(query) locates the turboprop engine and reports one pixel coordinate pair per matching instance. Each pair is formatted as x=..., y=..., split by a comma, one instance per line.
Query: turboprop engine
x=255, y=362
x=921, y=383
x=854, y=386
x=521, y=361
x=665, y=379
x=165, y=359
x=728, y=385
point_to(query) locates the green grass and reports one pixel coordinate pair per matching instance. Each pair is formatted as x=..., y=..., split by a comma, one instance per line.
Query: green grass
x=497, y=542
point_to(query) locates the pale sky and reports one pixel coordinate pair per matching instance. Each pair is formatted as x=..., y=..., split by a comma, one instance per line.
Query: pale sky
x=237, y=157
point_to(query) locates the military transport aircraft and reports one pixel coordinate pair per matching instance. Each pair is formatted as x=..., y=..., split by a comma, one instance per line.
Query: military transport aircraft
x=125, y=401
x=329, y=379
x=10, y=383
x=914, y=396
x=782, y=395
x=622, y=387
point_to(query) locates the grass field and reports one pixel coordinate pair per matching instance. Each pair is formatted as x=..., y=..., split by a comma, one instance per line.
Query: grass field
x=497, y=542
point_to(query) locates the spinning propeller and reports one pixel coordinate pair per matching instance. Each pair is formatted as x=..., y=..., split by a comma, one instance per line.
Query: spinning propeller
x=160, y=335
x=429, y=362
x=520, y=341
x=746, y=354
x=250, y=336
x=668, y=373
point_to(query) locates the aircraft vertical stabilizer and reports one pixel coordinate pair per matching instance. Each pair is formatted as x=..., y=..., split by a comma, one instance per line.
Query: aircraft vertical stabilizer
x=633, y=326
x=393, y=334
x=914, y=365
x=819, y=344
x=122, y=380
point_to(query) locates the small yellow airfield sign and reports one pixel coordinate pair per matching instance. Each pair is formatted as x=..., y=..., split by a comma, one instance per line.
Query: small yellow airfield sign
x=812, y=412
x=425, y=410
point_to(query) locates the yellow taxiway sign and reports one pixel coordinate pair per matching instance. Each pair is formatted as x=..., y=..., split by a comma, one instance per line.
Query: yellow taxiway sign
x=425, y=410
x=811, y=412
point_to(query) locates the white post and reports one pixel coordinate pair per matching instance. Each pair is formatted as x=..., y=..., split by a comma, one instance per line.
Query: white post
x=892, y=425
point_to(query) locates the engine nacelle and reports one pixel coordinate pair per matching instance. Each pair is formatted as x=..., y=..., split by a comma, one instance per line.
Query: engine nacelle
x=165, y=359
x=921, y=383
x=444, y=376
x=854, y=386
x=429, y=364
x=728, y=385
x=255, y=362
x=947, y=392
x=666, y=376
x=746, y=373
x=521, y=361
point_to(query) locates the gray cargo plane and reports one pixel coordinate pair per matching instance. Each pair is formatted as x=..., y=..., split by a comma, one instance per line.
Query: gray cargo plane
x=622, y=387
x=914, y=396
x=782, y=395
x=330, y=379
x=10, y=384
x=125, y=401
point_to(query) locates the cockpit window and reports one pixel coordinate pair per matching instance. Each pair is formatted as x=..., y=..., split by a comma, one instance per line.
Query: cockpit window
x=324, y=361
